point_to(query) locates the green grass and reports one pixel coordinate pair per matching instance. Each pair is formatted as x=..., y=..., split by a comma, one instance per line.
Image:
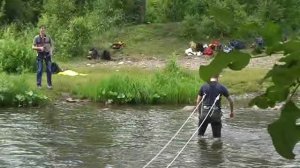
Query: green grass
x=244, y=81
x=151, y=86
x=140, y=86
x=136, y=86
x=150, y=40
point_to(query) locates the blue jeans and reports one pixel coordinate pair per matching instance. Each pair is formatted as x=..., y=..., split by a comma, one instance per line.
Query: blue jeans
x=40, y=58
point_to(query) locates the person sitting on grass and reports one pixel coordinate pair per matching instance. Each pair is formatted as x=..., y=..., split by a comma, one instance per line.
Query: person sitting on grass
x=195, y=49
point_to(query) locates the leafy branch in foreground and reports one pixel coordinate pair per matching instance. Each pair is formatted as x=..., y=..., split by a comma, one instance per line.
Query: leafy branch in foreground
x=284, y=75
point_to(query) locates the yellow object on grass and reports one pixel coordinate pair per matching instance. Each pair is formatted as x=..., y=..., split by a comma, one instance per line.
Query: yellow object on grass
x=71, y=73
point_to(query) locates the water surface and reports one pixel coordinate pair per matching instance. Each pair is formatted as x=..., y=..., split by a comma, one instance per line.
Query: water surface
x=128, y=137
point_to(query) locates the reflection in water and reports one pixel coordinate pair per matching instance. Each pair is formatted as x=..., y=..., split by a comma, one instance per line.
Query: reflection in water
x=128, y=137
x=211, y=153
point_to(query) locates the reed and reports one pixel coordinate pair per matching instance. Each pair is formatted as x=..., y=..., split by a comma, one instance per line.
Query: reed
x=171, y=85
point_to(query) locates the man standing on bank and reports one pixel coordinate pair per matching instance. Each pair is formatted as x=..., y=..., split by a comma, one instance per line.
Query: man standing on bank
x=43, y=44
x=212, y=93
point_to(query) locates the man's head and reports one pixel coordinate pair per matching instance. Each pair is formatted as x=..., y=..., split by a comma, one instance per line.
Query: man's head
x=42, y=30
x=215, y=77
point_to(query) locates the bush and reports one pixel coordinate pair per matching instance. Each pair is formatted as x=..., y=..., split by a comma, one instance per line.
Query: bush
x=190, y=27
x=15, y=92
x=16, y=55
x=76, y=38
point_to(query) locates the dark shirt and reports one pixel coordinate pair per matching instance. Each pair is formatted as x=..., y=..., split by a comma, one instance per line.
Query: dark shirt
x=212, y=90
x=45, y=42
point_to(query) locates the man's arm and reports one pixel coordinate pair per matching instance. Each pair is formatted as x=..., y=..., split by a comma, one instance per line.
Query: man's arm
x=35, y=47
x=198, y=99
x=231, y=106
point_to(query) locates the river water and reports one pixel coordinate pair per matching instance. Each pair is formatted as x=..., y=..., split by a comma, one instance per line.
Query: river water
x=65, y=136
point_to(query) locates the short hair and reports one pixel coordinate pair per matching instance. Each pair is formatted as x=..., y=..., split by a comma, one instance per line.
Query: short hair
x=42, y=26
x=215, y=75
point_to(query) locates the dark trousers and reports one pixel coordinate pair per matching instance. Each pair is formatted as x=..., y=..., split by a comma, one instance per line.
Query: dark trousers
x=214, y=118
x=40, y=58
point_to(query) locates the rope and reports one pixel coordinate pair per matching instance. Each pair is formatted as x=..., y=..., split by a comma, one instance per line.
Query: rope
x=175, y=134
x=217, y=98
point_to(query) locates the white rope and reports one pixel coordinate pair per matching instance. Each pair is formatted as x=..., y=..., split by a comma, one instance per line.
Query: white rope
x=217, y=98
x=175, y=134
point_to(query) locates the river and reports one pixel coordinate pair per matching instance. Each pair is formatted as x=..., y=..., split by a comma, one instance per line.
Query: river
x=81, y=136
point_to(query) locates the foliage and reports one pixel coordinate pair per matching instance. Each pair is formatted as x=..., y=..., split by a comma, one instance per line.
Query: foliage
x=2, y=10
x=285, y=131
x=173, y=10
x=269, y=11
x=153, y=14
x=15, y=92
x=16, y=11
x=190, y=27
x=133, y=10
x=79, y=31
x=285, y=78
x=15, y=54
x=169, y=86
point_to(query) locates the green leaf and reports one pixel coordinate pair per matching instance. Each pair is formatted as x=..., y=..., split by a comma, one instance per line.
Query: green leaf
x=247, y=30
x=277, y=94
x=235, y=60
x=288, y=72
x=285, y=132
x=291, y=46
x=262, y=102
x=271, y=33
x=223, y=16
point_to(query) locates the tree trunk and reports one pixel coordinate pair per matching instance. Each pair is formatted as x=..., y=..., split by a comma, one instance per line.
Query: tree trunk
x=143, y=11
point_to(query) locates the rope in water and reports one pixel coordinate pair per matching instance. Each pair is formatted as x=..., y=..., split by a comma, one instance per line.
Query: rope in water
x=217, y=98
x=174, y=135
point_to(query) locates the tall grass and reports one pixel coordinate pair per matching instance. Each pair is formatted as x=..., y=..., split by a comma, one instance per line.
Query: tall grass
x=14, y=91
x=171, y=85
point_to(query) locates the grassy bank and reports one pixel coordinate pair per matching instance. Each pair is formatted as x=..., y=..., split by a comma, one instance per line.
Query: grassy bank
x=145, y=41
x=134, y=85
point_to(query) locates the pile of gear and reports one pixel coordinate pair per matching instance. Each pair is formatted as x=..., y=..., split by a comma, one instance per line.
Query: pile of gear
x=199, y=49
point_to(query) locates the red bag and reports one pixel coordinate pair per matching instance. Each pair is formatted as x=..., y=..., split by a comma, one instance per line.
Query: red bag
x=208, y=51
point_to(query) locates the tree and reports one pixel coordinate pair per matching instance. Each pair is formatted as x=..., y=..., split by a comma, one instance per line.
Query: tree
x=174, y=10
x=2, y=10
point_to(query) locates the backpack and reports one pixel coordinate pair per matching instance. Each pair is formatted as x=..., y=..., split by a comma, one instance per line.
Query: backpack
x=208, y=51
x=55, y=68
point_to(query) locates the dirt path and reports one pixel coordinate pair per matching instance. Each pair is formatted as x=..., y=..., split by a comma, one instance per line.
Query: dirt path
x=192, y=63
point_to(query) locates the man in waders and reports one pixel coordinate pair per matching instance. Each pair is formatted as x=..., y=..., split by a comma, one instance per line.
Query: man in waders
x=43, y=45
x=212, y=92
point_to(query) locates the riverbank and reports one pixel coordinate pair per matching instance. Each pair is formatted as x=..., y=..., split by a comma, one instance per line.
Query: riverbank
x=186, y=62
x=241, y=83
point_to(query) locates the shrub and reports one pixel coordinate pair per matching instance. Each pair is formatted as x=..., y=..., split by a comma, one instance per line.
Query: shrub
x=16, y=55
x=15, y=92
x=190, y=27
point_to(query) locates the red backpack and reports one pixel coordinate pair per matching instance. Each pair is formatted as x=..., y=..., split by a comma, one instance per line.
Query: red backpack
x=208, y=51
